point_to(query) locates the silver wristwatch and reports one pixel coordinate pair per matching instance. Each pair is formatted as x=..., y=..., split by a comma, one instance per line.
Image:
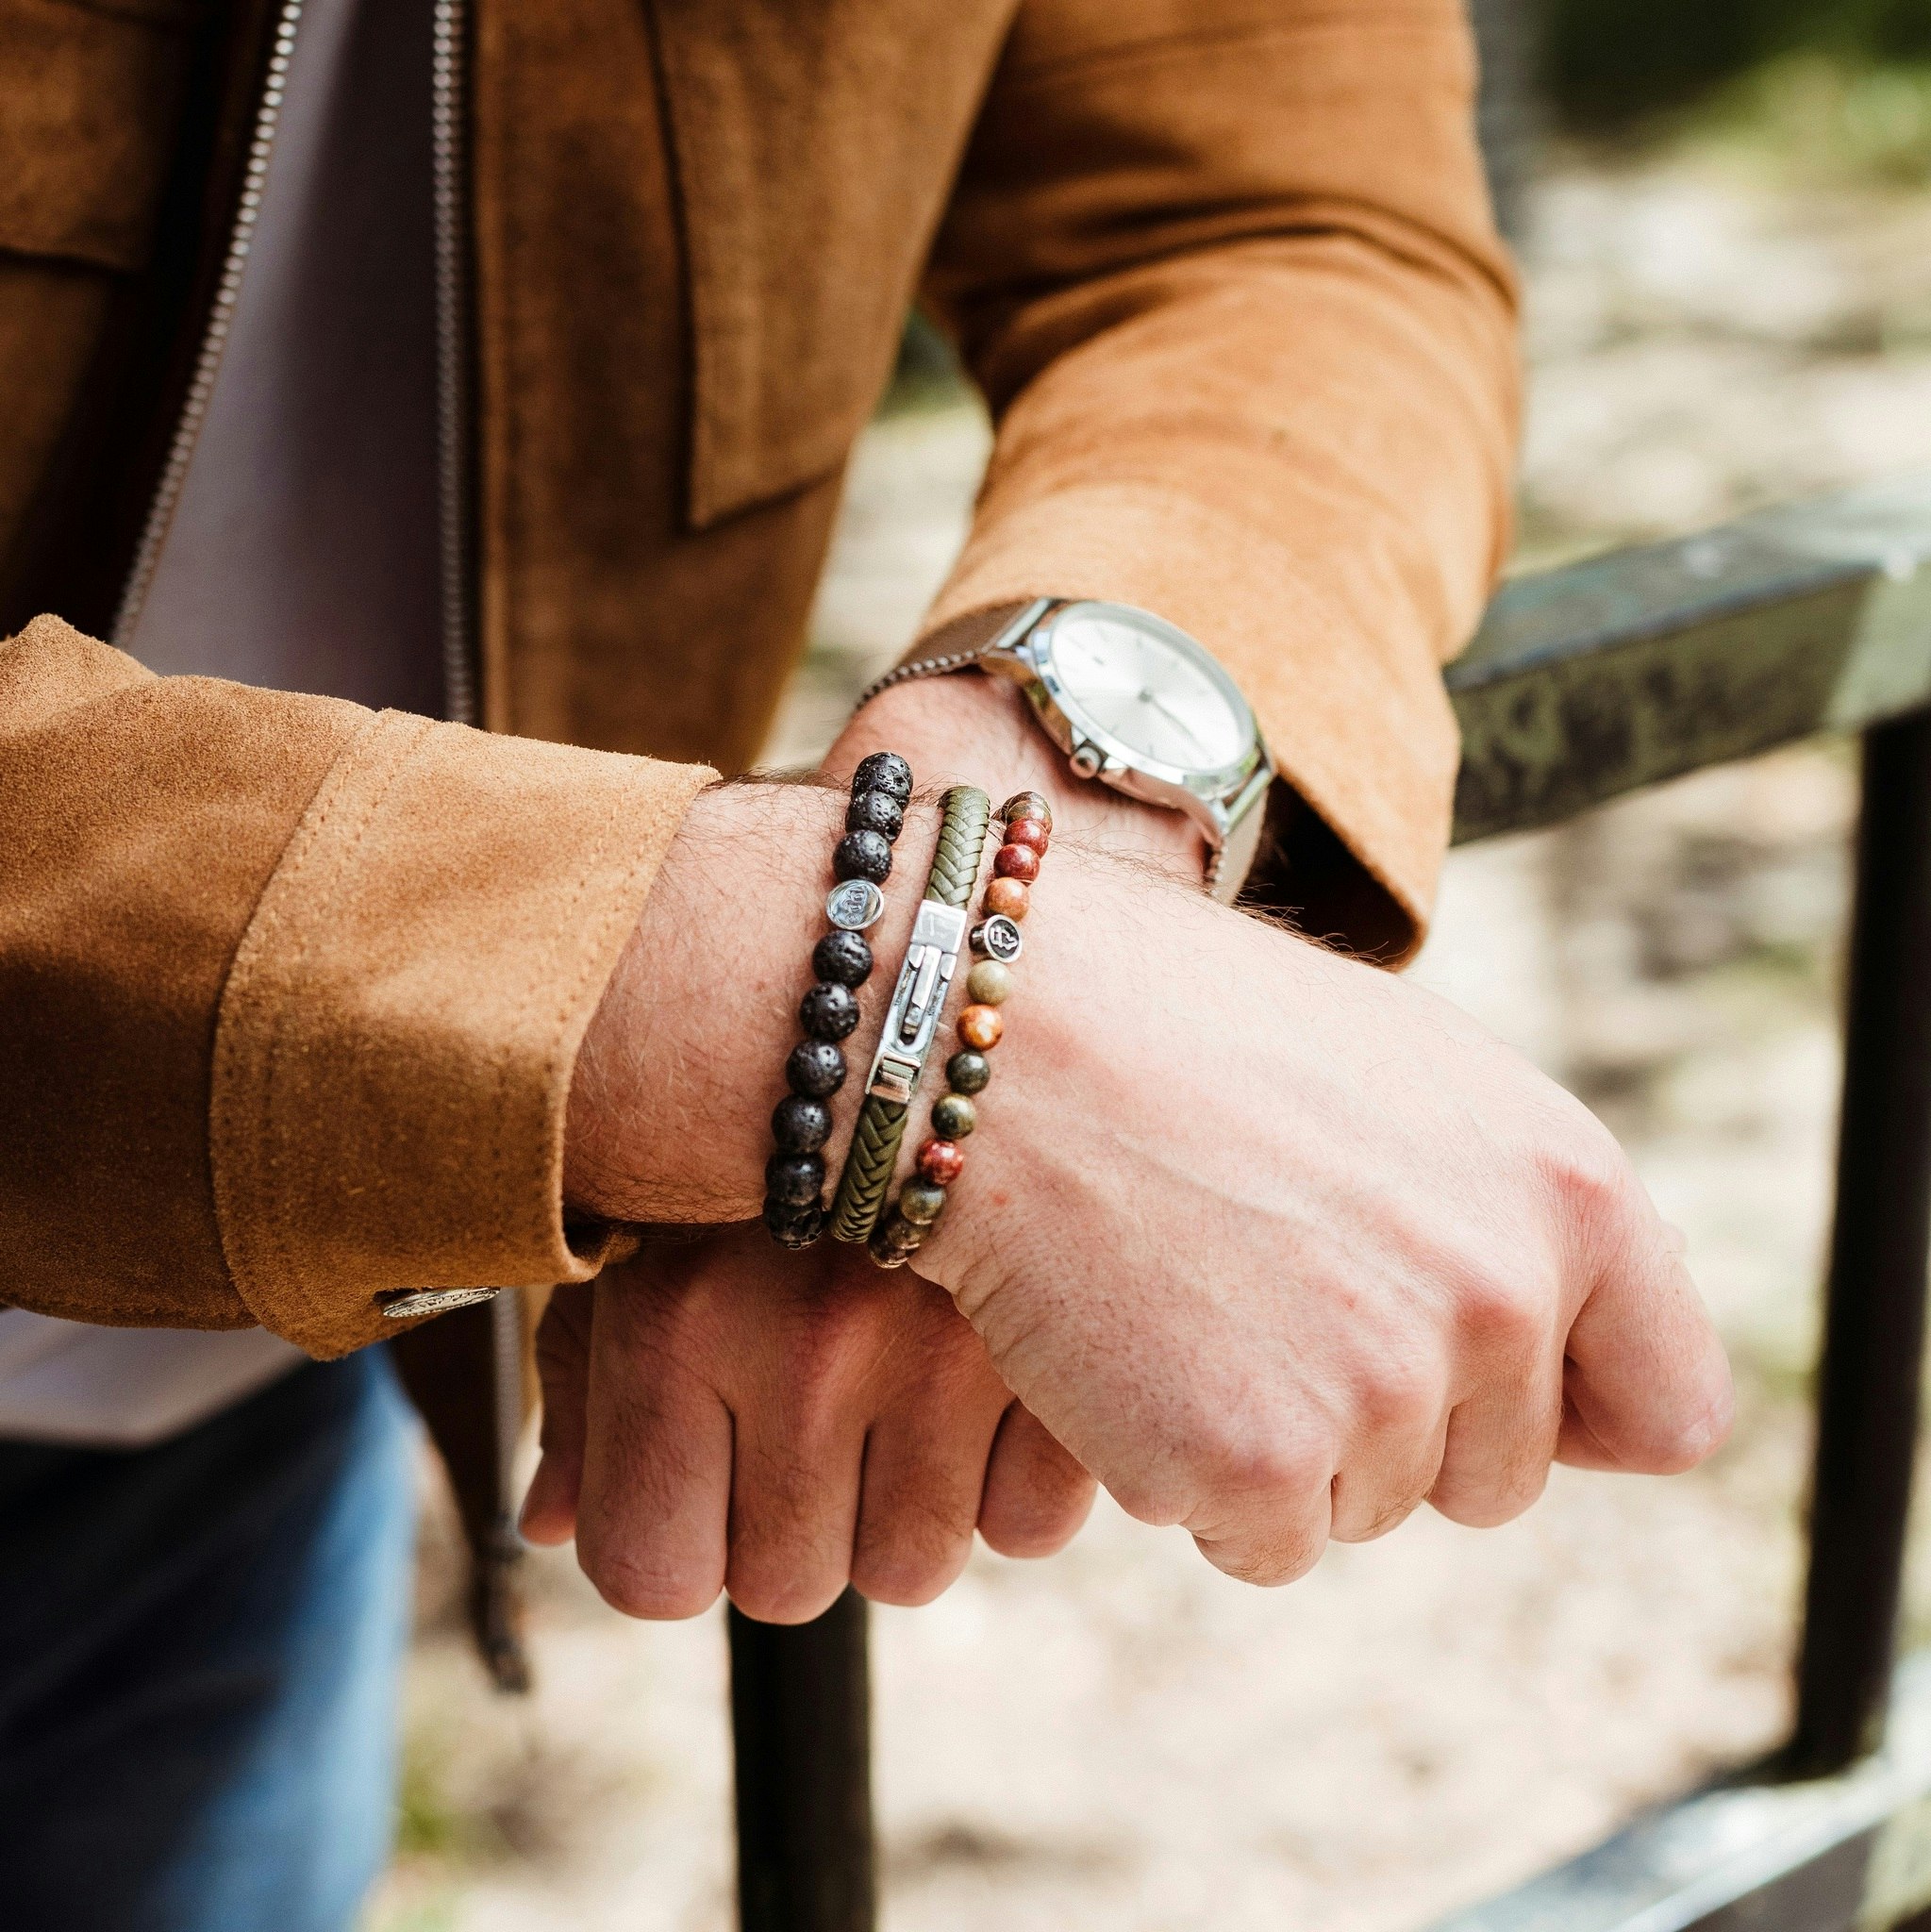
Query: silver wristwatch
x=1133, y=702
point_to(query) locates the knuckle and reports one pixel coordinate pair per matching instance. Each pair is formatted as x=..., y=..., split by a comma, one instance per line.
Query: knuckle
x=908, y=1579
x=912, y=1553
x=1155, y=1497
x=1270, y=1562
x=1588, y=1175
x=1390, y=1515
x=783, y=1599
x=1278, y=1461
x=644, y=1590
x=1503, y=1317
x=1487, y=1504
x=1396, y=1391
x=1036, y=1527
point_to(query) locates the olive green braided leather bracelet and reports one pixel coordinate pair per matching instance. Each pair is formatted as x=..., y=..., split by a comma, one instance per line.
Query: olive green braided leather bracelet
x=911, y=1023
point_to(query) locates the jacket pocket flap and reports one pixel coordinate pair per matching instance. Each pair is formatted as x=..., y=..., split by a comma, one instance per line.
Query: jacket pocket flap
x=815, y=146
x=89, y=105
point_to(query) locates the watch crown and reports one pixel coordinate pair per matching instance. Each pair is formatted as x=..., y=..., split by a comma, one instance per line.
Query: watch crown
x=1086, y=762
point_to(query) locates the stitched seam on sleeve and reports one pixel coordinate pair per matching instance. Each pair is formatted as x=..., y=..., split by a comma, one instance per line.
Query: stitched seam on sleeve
x=274, y=1183
x=264, y=1164
x=568, y=996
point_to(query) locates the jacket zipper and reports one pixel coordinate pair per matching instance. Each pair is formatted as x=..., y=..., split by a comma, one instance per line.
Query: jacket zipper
x=448, y=116
x=454, y=428
x=214, y=337
x=456, y=458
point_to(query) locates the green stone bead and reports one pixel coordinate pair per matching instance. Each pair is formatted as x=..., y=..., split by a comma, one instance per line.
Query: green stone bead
x=953, y=1116
x=968, y=1072
x=989, y=983
x=920, y=1202
x=894, y=1241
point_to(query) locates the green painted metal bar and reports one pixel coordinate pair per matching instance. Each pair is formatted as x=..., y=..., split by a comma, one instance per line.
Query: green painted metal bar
x=1828, y=1855
x=1591, y=681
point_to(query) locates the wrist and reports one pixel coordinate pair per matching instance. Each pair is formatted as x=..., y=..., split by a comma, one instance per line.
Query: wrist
x=971, y=727
x=669, y=1117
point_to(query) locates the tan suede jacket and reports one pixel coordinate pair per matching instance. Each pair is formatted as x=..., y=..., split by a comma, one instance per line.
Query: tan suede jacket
x=290, y=993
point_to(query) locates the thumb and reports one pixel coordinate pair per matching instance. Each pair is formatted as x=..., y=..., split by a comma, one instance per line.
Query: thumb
x=1646, y=1387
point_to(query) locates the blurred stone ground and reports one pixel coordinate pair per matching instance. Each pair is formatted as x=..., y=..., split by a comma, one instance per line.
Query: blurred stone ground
x=1121, y=1738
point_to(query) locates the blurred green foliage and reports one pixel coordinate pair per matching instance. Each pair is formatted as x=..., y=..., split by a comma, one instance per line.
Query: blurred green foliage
x=1607, y=63
x=1824, y=119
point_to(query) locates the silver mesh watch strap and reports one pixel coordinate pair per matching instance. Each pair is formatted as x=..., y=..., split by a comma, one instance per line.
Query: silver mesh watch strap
x=943, y=661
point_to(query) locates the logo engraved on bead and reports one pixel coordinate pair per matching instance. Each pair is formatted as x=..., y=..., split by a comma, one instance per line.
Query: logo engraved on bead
x=854, y=904
x=997, y=937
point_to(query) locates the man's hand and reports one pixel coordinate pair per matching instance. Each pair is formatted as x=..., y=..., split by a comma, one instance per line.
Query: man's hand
x=1277, y=1245
x=720, y=1414
x=1280, y=1246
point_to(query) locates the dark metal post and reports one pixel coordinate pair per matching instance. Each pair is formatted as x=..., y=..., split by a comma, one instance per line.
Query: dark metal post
x=801, y=1721
x=1867, y=1401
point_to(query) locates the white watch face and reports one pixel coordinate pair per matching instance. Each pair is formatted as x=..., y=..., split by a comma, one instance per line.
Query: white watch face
x=1149, y=688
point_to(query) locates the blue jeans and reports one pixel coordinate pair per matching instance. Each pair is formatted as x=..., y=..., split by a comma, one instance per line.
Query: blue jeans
x=199, y=1652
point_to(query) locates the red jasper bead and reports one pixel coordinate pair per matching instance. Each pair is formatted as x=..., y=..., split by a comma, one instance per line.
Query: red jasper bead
x=941, y=1163
x=1026, y=805
x=1008, y=896
x=1019, y=862
x=1028, y=832
x=980, y=1027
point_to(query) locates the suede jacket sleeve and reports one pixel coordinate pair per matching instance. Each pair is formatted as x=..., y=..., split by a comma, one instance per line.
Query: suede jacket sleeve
x=1228, y=276
x=292, y=992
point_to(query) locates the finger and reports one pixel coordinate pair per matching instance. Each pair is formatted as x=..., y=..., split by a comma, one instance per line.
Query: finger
x=549, y=1510
x=1271, y=1523
x=654, y=1504
x=1646, y=1374
x=1036, y=1496
x=924, y=1468
x=794, y=1507
x=1578, y=1445
x=1379, y=1491
x=1500, y=1443
x=1393, y=1448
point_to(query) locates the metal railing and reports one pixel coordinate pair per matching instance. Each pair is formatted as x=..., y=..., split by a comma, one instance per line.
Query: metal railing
x=1585, y=683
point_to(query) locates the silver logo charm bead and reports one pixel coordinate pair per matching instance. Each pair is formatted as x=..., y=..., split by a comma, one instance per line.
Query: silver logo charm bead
x=997, y=937
x=405, y=1304
x=853, y=905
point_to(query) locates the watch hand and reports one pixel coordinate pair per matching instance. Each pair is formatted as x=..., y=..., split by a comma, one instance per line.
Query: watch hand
x=1173, y=717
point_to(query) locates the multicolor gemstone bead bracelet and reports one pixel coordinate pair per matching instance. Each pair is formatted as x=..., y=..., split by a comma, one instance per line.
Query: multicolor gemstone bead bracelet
x=862, y=862
x=912, y=1020
x=996, y=944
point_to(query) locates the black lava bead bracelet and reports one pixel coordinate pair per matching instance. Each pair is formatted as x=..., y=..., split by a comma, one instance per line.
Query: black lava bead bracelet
x=860, y=862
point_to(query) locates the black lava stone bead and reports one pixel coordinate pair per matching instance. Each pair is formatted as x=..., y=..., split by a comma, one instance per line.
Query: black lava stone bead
x=800, y=1126
x=796, y=1179
x=828, y=1012
x=886, y=772
x=816, y=1070
x=793, y=1227
x=968, y=1073
x=875, y=812
x=862, y=855
x=842, y=958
